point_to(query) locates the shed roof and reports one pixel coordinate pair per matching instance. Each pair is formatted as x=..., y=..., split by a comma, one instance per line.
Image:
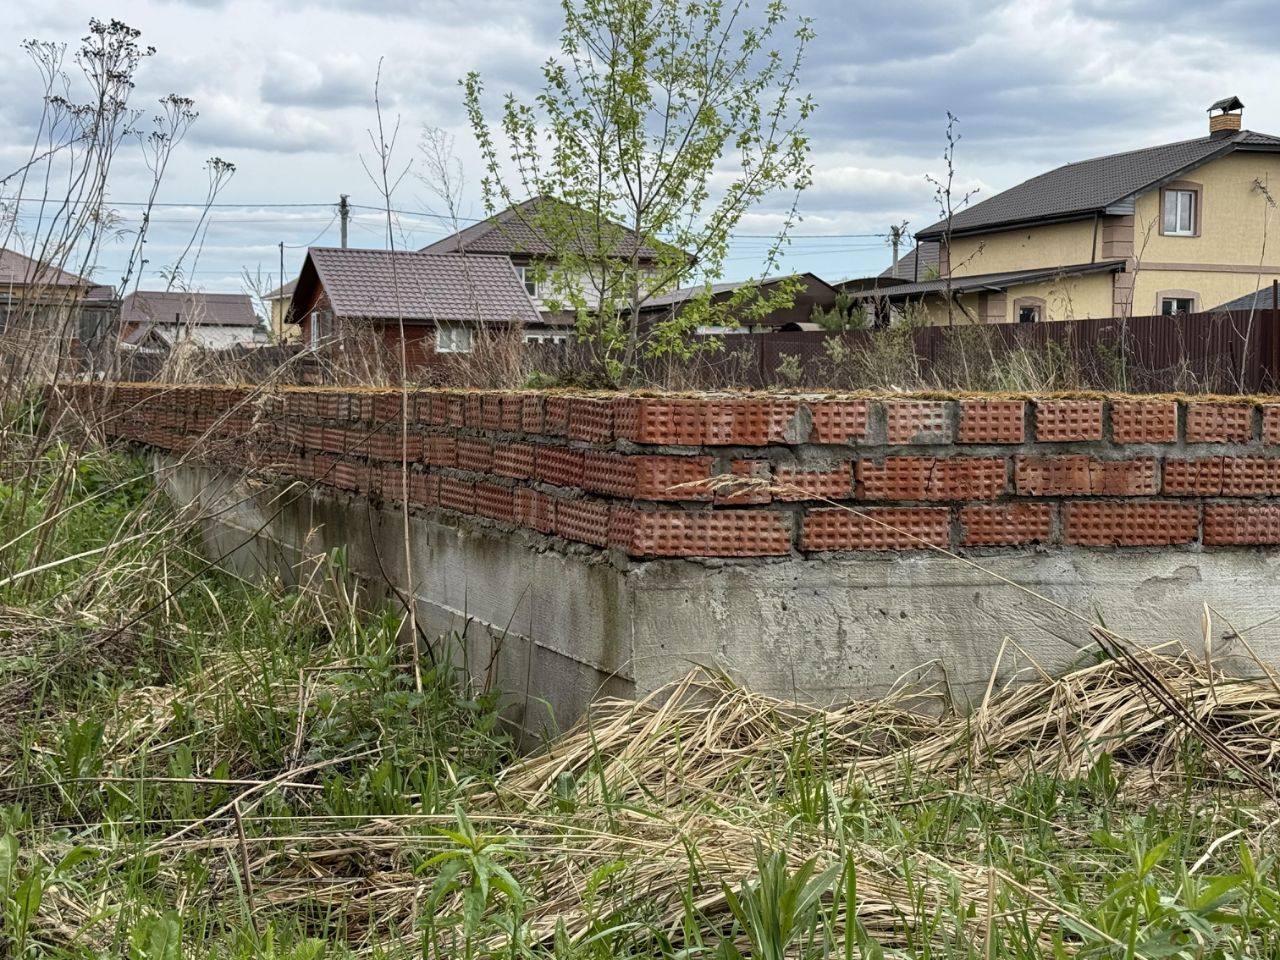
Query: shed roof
x=1261, y=299
x=1082, y=189
x=719, y=289
x=414, y=286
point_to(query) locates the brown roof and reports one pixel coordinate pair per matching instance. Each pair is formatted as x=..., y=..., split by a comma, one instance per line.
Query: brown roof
x=985, y=281
x=414, y=286
x=1094, y=186
x=280, y=293
x=521, y=231
x=811, y=283
x=177, y=307
x=19, y=269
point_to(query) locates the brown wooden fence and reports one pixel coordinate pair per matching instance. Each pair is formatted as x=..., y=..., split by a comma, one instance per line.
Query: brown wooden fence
x=1220, y=352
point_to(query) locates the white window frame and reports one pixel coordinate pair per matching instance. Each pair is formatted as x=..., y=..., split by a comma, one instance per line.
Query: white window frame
x=453, y=338
x=542, y=336
x=316, y=335
x=1183, y=203
x=1036, y=311
x=527, y=273
x=1175, y=300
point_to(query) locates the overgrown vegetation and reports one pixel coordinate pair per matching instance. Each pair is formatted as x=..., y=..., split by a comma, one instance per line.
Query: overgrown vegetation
x=196, y=764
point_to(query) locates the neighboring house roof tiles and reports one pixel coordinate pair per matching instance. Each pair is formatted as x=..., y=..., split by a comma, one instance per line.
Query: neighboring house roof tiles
x=517, y=232
x=988, y=281
x=416, y=286
x=282, y=293
x=178, y=307
x=1091, y=186
x=17, y=269
x=1262, y=299
x=688, y=293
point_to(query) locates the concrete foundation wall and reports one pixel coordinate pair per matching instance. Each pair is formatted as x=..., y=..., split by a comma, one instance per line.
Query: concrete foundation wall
x=562, y=627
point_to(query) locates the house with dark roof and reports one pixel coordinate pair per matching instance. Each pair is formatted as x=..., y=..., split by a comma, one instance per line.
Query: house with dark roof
x=1173, y=228
x=440, y=299
x=283, y=328
x=523, y=233
x=48, y=308
x=811, y=293
x=158, y=320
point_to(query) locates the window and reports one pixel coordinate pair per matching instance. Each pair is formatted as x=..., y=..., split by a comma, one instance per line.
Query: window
x=1029, y=314
x=1179, y=218
x=317, y=327
x=528, y=275
x=1028, y=309
x=453, y=338
x=554, y=338
x=1171, y=306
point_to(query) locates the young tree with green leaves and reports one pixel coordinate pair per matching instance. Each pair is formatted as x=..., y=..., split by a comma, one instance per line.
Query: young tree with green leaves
x=659, y=126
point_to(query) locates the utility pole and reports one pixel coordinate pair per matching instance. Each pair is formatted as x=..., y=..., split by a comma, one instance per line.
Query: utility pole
x=897, y=233
x=344, y=211
x=283, y=308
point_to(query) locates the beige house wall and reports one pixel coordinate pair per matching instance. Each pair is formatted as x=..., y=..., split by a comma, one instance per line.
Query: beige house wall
x=1066, y=298
x=1210, y=288
x=1052, y=245
x=283, y=332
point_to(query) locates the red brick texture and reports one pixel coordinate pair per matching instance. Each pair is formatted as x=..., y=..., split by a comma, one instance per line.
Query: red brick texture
x=650, y=476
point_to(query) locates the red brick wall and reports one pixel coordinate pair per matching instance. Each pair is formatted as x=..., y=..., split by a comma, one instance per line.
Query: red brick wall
x=635, y=473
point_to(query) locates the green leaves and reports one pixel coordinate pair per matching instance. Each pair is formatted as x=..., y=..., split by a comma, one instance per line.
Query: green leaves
x=658, y=128
x=157, y=938
x=780, y=905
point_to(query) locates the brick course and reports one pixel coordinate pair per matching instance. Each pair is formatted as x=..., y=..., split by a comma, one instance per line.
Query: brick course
x=638, y=473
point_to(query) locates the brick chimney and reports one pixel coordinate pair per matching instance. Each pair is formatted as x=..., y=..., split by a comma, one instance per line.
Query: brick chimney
x=1224, y=117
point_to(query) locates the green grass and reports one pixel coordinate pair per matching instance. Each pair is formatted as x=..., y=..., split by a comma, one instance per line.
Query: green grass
x=236, y=769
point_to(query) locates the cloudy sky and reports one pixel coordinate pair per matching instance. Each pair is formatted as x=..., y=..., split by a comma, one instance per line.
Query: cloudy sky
x=285, y=92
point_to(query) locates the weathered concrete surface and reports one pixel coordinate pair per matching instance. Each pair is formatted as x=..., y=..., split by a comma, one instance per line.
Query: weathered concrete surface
x=561, y=627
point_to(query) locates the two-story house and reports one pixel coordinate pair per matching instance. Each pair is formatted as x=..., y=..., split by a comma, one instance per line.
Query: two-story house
x=1180, y=227
x=521, y=233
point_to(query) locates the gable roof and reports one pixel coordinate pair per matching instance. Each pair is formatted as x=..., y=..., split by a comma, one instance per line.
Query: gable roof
x=413, y=286
x=986, y=281
x=176, y=307
x=1261, y=299
x=282, y=293
x=20, y=270
x=516, y=232
x=1082, y=189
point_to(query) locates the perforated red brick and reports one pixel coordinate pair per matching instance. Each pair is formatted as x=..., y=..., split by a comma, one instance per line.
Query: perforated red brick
x=1242, y=524
x=1081, y=476
x=838, y=421
x=747, y=493
x=531, y=420
x=652, y=420
x=494, y=501
x=585, y=521
x=670, y=478
x=456, y=406
x=1006, y=524
x=622, y=526
x=753, y=422
x=929, y=478
x=1130, y=523
x=512, y=412
x=1144, y=421
x=474, y=454
x=728, y=533
x=491, y=411
x=457, y=494
x=918, y=421
x=590, y=420
x=513, y=460
x=559, y=465
x=1061, y=421
x=535, y=510
x=876, y=528
x=473, y=410
x=794, y=483
x=1219, y=422
x=555, y=421
x=1222, y=476
x=1271, y=424
x=613, y=474
x=386, y=407
x=394, y=482
x=442, y=451
x=991, y=421
x=424, y=488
